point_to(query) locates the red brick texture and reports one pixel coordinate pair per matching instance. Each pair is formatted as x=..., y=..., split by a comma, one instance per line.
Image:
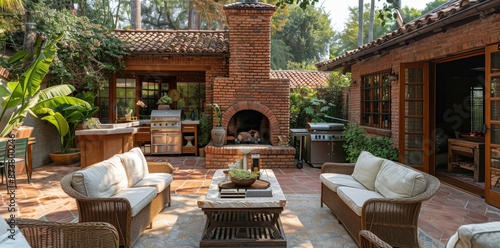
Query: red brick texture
x=249, y=86
x=474, y=36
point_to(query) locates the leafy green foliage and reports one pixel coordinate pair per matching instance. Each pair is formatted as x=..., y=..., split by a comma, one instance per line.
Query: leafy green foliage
x=307, y=33
x=357, y=140
x=88, y=54
x=308, y=103
x=65, y=113
x=22, y=95
x=205, y=129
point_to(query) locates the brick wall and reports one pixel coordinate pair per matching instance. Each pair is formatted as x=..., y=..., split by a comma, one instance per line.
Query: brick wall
x=455, y=41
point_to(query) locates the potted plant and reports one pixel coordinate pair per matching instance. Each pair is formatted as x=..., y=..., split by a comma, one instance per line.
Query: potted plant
x=218, y=133
x=65, y=117
x=164, y=102
x=205, y=127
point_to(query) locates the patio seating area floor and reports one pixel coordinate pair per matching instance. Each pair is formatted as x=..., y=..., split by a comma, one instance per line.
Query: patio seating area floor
x=43, y=198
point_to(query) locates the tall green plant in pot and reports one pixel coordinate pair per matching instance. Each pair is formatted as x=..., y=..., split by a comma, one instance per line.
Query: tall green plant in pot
x=204, y=134
x=65, y=117
x=218, y=133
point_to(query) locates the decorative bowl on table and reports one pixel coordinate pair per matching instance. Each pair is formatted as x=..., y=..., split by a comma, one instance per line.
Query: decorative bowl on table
x=242, y=182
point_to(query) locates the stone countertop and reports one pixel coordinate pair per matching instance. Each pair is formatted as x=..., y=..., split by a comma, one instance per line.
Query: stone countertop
x=190, y=122
x=111, y=128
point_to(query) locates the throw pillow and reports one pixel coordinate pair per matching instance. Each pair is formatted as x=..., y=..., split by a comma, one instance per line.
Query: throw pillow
x=396, y=181
x=366, y=169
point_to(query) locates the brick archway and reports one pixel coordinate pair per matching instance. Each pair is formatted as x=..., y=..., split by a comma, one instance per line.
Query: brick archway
x=248, y=105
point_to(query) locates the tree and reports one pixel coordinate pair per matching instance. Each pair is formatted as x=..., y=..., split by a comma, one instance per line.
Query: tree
x=307, y=33
x=360, y=22
x=135, y=14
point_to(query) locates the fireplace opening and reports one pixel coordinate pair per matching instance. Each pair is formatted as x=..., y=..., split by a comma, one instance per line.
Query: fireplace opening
x=248, y=127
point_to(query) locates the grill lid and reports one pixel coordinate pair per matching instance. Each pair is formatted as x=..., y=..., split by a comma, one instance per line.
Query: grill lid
x=166, y=115
x=316, y=126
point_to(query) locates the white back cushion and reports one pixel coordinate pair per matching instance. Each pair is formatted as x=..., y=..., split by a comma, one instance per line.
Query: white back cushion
x=103, y=179
x=366, y=169
x=396, y=181
x=135, y=165
x=484, y=235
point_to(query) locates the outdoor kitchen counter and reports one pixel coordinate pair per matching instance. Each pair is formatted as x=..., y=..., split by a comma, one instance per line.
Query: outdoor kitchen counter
x=100, y=144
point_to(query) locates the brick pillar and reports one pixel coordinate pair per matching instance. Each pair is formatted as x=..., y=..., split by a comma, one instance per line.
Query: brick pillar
x=250, y=40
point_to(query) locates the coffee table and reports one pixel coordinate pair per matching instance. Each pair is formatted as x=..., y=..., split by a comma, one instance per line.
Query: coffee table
x=250, y=221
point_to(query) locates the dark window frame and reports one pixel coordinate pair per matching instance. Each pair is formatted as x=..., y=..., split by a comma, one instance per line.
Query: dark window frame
x=375, y=93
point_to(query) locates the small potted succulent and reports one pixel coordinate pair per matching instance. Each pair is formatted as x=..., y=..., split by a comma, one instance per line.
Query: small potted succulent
x=164, y=102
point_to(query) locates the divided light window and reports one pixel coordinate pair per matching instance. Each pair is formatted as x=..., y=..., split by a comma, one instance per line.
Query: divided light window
x=376, y=100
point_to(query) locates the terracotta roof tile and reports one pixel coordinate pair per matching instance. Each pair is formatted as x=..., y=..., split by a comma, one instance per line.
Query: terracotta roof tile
x=311, y=79
x=415, y=26
x=174, y=41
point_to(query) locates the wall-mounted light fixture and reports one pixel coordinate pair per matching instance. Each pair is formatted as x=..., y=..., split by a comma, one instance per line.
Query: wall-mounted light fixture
x=393, y=76
x=353, y=82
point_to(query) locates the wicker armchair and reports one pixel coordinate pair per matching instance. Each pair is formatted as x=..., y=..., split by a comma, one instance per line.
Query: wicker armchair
x=369, y=240
x=394, y=220
x=41, y=234
x=117, y=211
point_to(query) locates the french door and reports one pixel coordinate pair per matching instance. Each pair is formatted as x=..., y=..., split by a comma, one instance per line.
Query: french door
x=492, y=119
x=414, y=115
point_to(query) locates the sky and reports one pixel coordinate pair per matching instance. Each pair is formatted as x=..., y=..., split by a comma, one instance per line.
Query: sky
x=339, y=13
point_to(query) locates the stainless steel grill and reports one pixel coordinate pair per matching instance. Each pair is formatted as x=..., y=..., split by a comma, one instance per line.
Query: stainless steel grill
x=324, y=144
x=166, y=134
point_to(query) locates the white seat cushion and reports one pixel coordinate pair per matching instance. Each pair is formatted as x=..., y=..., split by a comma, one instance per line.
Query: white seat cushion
x=334, y=180
x=355, y=198
x=103, y=179
x=366, y=169
x=158, y=180
x=483, y=235
x=396, y=181
x=138, y=197
x=135, y=165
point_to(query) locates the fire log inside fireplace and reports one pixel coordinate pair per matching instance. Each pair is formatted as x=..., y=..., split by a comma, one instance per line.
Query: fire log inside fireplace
x=250, y=137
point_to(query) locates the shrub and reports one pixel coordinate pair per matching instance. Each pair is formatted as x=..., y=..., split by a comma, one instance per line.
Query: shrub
x=357, y=141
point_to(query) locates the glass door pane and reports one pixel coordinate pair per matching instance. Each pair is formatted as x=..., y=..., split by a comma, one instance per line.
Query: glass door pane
x=492, y=119
x=413, y=118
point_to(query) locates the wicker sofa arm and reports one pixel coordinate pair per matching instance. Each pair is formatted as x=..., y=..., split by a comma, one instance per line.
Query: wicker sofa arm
x=43, y=234
x=160, y=167
x=370, y=240
x=339, y=168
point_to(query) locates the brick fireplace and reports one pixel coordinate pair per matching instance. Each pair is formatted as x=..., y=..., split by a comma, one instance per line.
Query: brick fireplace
x=249, y=99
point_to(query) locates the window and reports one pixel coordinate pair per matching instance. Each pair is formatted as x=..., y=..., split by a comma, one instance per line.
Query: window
x=125, y=97
x=376, y=100
x=192, y=97
x=477, y=107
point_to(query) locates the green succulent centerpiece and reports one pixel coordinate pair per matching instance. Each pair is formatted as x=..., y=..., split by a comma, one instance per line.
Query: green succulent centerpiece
x=165, y=100
x=245, y=178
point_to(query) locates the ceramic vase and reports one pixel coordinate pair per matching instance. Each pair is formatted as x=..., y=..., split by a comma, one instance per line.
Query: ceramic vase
x=218, y=136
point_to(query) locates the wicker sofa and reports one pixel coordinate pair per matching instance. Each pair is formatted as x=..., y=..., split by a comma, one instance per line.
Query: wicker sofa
x=378, y=195
x=124, y=190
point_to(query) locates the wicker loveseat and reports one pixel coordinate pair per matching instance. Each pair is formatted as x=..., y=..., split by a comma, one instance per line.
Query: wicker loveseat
x=49, y=234
x=125, y=191
x=378, y=195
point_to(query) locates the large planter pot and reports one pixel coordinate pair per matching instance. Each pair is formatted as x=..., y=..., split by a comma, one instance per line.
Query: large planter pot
x=65, y=158
x=218, y=136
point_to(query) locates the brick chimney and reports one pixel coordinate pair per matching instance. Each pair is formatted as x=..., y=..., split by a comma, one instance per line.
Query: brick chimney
x=249, y=39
